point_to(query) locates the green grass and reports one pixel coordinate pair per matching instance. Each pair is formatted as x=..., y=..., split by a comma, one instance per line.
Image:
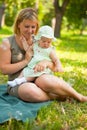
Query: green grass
x=72, y=51
x=5, y=32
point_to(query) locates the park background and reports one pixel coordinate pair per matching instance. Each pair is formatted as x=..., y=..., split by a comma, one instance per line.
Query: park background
x=69, y=20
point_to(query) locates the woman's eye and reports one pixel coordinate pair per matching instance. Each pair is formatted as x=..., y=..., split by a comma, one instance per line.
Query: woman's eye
x=33, y=26
x=30, y=26
x=26, y=26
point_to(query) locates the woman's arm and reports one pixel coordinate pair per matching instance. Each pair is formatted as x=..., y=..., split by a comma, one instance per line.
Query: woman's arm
x=5, y=60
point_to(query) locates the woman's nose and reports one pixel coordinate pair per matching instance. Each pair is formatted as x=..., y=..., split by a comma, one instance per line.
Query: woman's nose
x=29, y=30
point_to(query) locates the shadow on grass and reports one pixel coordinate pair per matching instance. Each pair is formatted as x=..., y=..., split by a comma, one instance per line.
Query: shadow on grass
x=74, y=62
x=77, y=43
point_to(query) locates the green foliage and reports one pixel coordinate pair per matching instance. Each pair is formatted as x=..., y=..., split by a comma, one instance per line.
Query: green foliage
x=45, y=11
x=74, y=17
x=76, y=11
x=12, y=8
x=10, y=15
x=1, y=2
x=48, y=20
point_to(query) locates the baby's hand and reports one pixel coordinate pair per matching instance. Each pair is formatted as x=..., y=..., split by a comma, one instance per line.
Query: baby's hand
x=58, y=69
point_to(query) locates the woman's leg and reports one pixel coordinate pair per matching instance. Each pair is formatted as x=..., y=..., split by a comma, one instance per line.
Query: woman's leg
x=31, y=93
x=53, y=84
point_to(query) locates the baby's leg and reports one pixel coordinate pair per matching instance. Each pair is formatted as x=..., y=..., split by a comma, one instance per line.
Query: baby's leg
x=20, y=80
x=30, y=79
x=16, y=81
x=21, y=75
x=12, y=83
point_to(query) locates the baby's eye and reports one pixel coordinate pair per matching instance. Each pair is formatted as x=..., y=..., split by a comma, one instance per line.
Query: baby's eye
x=43, y=41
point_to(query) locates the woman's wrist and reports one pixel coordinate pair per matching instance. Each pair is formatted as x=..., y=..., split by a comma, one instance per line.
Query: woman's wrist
x=25, y=62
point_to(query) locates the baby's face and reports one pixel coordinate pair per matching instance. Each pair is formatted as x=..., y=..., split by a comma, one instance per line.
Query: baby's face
x=45, y=42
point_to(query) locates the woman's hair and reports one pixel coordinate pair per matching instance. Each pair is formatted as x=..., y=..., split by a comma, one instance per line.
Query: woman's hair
x=27, y=13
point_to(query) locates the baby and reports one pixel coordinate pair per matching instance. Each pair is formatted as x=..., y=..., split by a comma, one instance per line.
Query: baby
x=43, y=50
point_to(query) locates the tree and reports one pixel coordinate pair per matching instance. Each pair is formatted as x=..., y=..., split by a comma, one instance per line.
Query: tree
x=2, y=8
x=12, y=8
x=60, y=7
x=77, y=18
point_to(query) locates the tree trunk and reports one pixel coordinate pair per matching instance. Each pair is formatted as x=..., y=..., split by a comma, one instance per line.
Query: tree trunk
x=2, y=8
x=59, y=13
x=58, y=23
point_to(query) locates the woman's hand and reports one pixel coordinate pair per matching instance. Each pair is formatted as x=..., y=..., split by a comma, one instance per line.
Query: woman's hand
x=29, y=53
x=28, y=48
x=41, y=66
x=26, y=42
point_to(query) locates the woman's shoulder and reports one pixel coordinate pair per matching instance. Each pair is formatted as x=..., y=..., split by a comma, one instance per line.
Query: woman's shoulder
x=5, y=43
x=8, y=39
x=11, y=38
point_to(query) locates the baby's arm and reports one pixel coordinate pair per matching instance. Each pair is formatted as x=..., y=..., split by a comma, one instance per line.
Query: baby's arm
x=57, y=64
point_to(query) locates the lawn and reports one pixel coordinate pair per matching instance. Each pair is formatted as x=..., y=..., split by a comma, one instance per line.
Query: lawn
x=68, y=115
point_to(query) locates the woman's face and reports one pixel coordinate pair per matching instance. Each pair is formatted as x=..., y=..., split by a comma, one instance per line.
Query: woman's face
x=27, y=28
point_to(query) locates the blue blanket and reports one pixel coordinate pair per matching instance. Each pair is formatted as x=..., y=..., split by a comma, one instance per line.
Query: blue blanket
x=14, y=108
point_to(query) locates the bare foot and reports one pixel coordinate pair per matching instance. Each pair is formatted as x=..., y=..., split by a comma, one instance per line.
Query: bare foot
x=83, y=98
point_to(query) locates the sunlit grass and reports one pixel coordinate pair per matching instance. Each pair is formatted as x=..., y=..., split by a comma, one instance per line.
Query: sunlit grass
x=6, y=31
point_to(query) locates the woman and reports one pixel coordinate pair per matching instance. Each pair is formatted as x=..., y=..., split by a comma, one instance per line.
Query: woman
x=43, y=89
